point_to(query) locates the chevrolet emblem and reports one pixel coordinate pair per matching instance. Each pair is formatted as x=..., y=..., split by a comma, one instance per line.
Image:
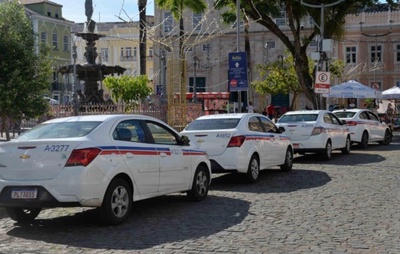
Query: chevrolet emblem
x=200, y=141
x=25, y=156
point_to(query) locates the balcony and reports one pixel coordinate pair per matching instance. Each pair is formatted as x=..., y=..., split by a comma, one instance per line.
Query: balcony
x=127, y=58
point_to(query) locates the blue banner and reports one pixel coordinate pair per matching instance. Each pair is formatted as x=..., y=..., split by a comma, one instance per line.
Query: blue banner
x=237, y=73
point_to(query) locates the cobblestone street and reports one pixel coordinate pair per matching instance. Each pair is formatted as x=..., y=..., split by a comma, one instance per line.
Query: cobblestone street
x=346, y=205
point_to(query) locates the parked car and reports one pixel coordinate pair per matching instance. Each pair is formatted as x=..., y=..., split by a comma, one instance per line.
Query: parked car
x=242, y=142
x=103, y=161
x=365, y=126
x=316, y=131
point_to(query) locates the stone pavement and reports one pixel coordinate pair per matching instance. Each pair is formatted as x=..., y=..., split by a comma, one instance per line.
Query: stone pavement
x=346, y=205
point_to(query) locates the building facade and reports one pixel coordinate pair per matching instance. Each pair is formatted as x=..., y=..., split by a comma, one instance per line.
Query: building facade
x=52, y=29
x=370, y=49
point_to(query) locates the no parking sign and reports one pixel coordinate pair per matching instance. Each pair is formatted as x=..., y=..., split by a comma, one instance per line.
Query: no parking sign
x=322, y=82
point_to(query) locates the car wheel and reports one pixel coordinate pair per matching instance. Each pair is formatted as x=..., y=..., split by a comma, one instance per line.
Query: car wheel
x=23, y=215
x=346, y=149
x=387, y=139
x=253, y=171
x=327, y=154
x=287, y=166
x=117, y=203
x=200, y=184
x=364, y=140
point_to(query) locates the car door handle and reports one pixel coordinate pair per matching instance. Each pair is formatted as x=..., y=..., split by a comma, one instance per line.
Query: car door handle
x=129, y=155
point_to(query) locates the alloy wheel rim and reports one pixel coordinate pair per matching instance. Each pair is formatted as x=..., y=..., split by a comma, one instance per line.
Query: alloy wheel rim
x=120, y=201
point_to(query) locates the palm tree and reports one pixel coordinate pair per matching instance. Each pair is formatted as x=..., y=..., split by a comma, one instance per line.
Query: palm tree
x=142, y=35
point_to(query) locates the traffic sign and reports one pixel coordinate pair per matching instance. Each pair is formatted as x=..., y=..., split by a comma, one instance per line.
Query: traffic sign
x=322, y=82
x=237, y=73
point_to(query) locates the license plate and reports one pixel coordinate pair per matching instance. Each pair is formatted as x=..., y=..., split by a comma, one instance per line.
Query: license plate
x=30, y=193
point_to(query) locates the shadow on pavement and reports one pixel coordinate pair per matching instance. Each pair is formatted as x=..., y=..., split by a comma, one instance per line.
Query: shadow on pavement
x=271, y=181
x=153, y=222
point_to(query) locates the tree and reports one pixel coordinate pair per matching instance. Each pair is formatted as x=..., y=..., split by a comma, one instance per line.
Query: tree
x=264, y=13
x=129, y=89
x=24, y=71
x=279, y=77
x=142, y=35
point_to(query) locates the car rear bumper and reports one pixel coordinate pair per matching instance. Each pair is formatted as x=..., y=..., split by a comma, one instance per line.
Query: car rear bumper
x=44, y=199
x=233, y=159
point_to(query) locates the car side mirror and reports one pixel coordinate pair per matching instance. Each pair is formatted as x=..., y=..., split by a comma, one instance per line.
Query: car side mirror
x=281, y=129
x=185, y=140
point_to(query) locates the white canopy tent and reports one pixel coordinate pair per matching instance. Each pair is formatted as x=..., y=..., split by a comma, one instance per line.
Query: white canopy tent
x=353, y=89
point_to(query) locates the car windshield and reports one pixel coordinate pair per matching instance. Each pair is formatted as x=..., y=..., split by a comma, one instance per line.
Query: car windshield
x=298, y=118
x=59, y=130
x=345, y=114
x=213, y=124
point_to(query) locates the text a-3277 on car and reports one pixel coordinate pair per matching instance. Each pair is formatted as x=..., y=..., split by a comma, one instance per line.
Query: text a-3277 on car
x=106, y=162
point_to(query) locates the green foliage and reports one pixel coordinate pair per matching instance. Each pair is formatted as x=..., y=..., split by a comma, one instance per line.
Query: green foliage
x=278, y=77
x=24, y=72
x=337, y=68
x=129, y=89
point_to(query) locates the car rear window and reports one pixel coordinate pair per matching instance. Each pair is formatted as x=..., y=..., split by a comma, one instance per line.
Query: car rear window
x=213, y=124
x=298, y=118
x=344, y=114
x=59, y=130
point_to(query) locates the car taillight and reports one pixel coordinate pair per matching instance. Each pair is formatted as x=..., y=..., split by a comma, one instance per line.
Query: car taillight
x=317, y=130
x=236, y=141
x=82, y=157
x=351, y=123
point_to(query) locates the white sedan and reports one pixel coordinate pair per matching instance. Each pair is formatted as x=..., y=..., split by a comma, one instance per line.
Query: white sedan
x=365, y=126
x=316, y=131
x=244, y=143
x=103, y=161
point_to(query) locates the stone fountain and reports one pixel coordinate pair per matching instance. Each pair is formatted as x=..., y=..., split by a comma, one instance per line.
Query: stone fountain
x=91, y=72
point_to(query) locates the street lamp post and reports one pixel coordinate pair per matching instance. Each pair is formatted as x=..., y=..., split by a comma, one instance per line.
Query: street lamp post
x=195, y=62
x=74, y=97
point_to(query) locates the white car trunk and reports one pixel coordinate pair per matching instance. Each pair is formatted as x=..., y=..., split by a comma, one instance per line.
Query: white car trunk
x=298, y=130
x=214, y=142
x=38, y=160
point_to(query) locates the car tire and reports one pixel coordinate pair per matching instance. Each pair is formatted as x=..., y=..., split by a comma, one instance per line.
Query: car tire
x=288, y=165
x=253, y=171
x=117, y=203
x=364, y=140
x=200, y=185
x=23, y=215
x=346, y=149
x=327, y=153
x=387, y=138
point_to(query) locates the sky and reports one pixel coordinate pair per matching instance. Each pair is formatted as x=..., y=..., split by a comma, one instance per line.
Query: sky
x=103, y=10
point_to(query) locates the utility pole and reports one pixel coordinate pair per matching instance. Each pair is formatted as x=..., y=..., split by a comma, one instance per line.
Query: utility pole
x=322, y=60
x=238, y=47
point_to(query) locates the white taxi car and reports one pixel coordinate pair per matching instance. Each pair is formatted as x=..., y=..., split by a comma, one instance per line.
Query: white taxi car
x=243, y=142
x=316, y=131
x=365, y=126
x=103, y=161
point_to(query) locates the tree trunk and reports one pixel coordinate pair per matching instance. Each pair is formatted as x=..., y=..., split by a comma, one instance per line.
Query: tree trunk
x=142, y=35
